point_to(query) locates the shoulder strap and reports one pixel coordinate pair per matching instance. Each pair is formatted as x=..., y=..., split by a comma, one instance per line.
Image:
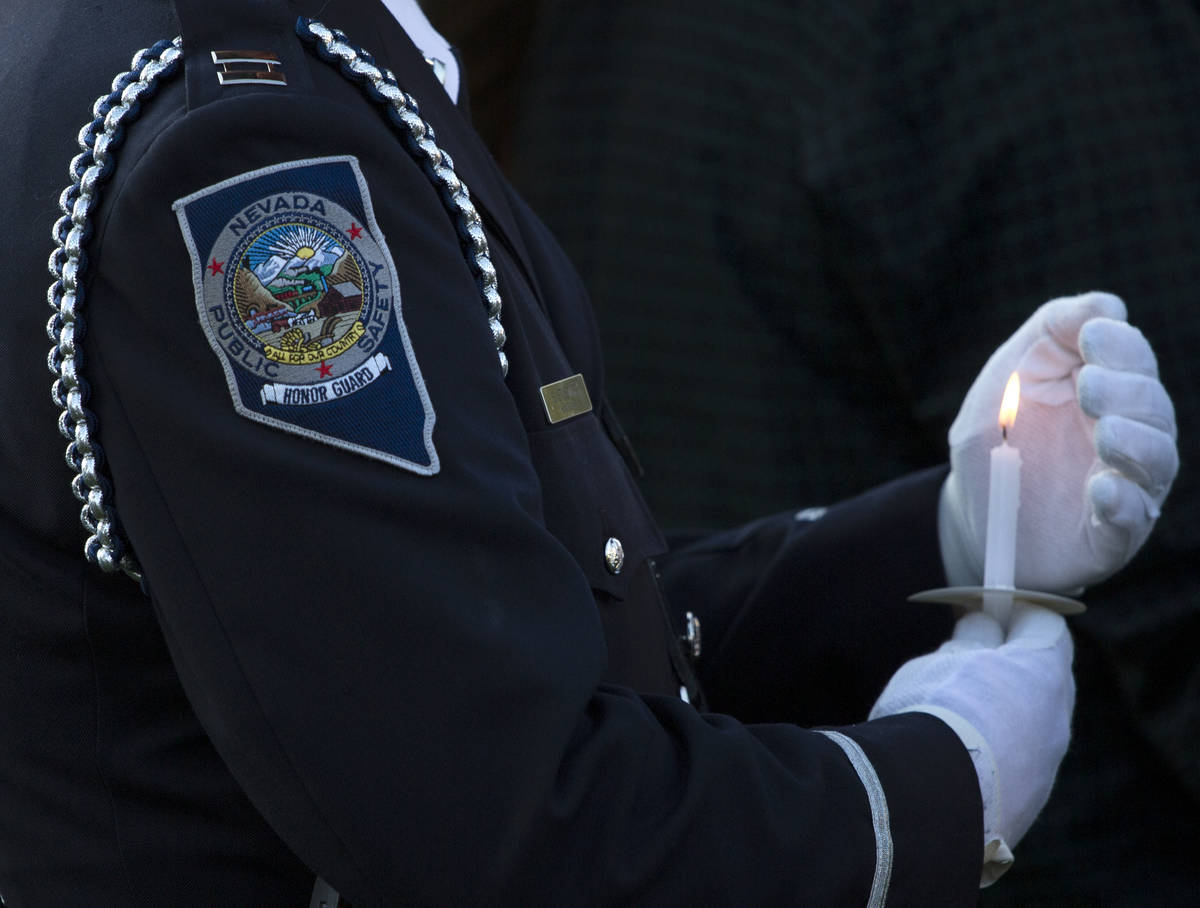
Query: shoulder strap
x=240, y=46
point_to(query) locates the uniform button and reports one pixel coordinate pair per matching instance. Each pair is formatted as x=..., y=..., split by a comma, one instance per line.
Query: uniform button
x=691, y=636
x=614, y=555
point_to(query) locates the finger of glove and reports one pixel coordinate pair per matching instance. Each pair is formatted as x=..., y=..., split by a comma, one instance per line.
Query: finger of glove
x=1121, y=502
x=1140, y=452
x=975, y=630
x=1049, y=363
x=1117, y=345
x=1044, y=350
x=1065, y=317
x=1107, y=392
x=1047, y=372
x=918, y=680
x=1033, y=627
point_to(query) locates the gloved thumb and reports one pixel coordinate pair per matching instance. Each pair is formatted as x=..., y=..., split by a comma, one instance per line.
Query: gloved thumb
x=975, y=630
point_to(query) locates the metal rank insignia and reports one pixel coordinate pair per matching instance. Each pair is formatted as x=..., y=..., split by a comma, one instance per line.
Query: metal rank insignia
x=299, y=299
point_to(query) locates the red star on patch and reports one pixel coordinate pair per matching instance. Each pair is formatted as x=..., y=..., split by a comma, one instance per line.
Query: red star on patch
x=355, y=231
x=324, y=370
x=216, y=267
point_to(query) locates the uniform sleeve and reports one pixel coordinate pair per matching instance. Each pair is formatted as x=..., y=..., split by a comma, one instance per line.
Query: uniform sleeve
x=820, y=591
x=403, y=670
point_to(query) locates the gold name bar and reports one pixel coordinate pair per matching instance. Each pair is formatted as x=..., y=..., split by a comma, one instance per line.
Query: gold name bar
x=565, y=398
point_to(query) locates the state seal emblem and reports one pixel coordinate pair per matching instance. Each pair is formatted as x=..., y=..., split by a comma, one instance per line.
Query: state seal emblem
x=299, y=298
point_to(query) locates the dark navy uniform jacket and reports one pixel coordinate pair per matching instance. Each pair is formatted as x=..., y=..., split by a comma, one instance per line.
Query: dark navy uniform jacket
x=418, y=678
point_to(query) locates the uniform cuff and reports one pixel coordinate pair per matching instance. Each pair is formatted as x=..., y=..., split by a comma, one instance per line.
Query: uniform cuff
x=934, y=808
x=997, y=856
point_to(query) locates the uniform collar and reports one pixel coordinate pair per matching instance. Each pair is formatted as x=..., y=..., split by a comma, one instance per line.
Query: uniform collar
x=429, y=41
x=369, y=24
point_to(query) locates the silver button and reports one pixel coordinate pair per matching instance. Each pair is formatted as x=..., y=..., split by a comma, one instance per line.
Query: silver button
x=614, y=555
x=809, y=515
x=691, y=636
x=438, y=67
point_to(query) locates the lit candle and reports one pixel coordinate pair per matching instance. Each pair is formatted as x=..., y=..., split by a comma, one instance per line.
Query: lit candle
x=1004, y=498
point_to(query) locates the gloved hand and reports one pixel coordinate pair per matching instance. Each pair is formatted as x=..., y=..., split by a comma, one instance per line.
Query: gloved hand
x=1010, y=703
x=1096, y=432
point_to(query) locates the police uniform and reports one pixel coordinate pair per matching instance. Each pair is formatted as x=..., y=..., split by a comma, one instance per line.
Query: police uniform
x=399, y=620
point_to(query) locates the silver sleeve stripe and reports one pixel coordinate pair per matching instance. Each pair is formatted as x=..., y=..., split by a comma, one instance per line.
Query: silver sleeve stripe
x=879, y=815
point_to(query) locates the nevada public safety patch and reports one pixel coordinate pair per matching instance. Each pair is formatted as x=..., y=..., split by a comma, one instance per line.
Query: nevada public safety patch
x=299, y=298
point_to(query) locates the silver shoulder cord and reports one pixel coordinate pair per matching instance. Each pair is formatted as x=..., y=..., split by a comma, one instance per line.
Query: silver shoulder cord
x=89, y=170
x=99, y=140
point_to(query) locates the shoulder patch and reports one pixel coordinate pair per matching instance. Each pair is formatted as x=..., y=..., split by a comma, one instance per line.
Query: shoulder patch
x=299, y=298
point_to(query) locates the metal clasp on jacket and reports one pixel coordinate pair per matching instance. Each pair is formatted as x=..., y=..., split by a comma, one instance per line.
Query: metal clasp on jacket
x=323, y=895
x=690, y=638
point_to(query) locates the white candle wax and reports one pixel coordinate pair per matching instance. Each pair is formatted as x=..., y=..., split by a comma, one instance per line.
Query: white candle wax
x=1004, y=498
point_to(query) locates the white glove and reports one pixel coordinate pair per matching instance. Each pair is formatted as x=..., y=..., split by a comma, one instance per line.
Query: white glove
x=1009, y=702
x=1096, y=432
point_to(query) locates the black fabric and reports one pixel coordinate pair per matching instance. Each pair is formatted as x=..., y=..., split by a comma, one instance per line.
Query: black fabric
x=401, y=682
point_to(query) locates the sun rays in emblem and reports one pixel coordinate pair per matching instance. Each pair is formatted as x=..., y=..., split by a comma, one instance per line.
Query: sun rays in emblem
x=295, y=241
x=299, y=240
x=290, y=254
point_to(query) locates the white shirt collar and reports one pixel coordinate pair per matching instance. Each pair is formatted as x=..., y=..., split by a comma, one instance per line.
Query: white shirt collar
x=435, y=48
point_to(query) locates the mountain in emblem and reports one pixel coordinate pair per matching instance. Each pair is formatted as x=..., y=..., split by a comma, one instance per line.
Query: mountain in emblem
x=346, y=271
x=293, y=261
x=299, y=267
x=250, y=295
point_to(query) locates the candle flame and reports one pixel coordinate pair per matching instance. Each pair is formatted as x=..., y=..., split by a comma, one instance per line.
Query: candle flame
x=1008, y=405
